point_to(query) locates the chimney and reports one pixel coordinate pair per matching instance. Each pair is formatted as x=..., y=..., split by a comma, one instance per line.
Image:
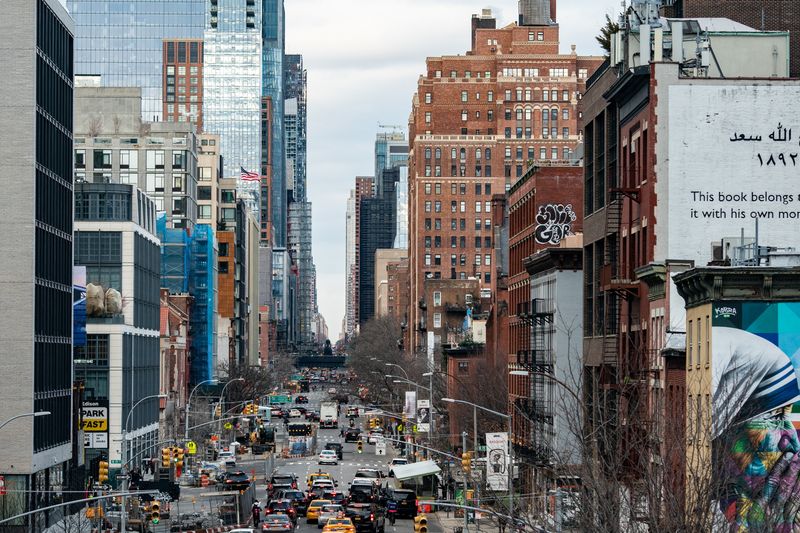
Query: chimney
x=483, y=21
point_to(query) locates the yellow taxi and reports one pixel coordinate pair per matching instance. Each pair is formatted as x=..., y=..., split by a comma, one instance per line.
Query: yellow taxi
x=312, y=514
x=318, y=475
x=339, y=525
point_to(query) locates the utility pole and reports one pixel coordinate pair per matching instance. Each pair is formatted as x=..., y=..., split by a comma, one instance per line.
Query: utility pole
x=464, y=450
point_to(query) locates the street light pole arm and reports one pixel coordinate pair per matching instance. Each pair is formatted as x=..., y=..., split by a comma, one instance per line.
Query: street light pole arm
x=128, y=418
x=400, y=367
x=24, y=415
x=482, y=408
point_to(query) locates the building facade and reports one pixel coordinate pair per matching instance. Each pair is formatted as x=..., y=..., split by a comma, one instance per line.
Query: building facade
x=273, y=34
x=110, y=42
x=35, y=143
x=478, y=121
x=182, y=81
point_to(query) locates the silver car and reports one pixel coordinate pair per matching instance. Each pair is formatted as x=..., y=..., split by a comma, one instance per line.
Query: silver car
x=277, y=523
x=327, y=512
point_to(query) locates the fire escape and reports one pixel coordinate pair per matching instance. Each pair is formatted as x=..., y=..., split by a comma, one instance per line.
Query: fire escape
x=538, y=361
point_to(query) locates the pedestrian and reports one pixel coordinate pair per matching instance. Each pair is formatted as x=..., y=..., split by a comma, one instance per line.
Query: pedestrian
x=256, y=512
x=341, y=433
x=501, y=524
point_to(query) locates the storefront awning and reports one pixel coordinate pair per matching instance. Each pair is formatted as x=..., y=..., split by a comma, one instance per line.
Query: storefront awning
x=409, y=471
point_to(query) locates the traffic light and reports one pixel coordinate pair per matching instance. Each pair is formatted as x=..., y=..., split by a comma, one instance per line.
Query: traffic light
x=155, y=512
x=179, y=458
x=102, y=473
x=166, y=457
x=421, y=524
x=218, y=411
x=360, y=446
x=466, y=462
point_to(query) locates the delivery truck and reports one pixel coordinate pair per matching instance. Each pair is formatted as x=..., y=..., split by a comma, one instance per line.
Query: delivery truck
x=329, y=415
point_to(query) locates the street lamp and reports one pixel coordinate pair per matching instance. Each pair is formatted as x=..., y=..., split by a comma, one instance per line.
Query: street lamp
x=125, y=453
x=36, y=414
x=510, y=445
x=189, y=403
x=221, y=397
x=400, y=367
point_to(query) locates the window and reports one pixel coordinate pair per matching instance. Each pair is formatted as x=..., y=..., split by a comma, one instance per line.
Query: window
x=223, y=267
x=453, y=240
x=228, y=214
x=428, y=98
x=80, y=158
x=102, y=159
x=204, y=193
x=542, y=152
x=507, y=133
x=463, y=115
x=437, y=260
x=565, y=96
x=565, y=153
x=527, y=95
x=437, y=241
x=462, y=242
x=531, y=36
x=463, y=260
x=437, y=224
x=437, y=298
x=554, y=153
x=478, y=207
x=463, y=224
x=204, y=212
x=437, y=320
x=583, y=73
x=427, y=117
x=223, y=249
x=487, y=242
x=565, y=114
x=427, y=241
x=453, y=73
x=478, y=242
x=488, y=223
x=453, y=260
x=437, y=188
x=427, y=224
x=477, y=224
x=507, y=95
x=427, y=206
x=559, y=73
x=463, y=206
x=438, y=74
x=463, y=367
x=490, y=95
x=565, y=133
x=437, y=206
x=205, y=173
x=453, y=224
x=487, y=206
x=129, y=159
x=228, y=196
x=464, y=96
x=689, y=344
x=427, y=259
x=540, y=36
x=155, y=159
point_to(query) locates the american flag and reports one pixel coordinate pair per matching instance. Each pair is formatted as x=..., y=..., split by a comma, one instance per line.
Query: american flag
x=249, y=176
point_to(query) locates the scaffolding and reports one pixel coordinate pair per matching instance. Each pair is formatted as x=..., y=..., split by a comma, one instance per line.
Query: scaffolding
x=175, y=256
x=202, y=287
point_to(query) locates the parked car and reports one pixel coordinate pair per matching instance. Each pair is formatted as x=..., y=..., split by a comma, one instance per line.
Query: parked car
x=328, y=457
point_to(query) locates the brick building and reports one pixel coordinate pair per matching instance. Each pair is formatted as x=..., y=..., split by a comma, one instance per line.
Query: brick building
x=776, y=15
x=478, y=122
x=182, y=96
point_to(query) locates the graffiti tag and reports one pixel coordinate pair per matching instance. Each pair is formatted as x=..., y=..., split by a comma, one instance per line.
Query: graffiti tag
x=554, y=223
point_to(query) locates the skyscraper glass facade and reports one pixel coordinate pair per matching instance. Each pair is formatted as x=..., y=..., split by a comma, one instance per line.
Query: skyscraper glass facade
x=273, y=31
x=121, y=40
x=232, y=82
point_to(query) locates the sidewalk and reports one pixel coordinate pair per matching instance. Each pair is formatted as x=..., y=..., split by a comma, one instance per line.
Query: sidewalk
x=448, y=525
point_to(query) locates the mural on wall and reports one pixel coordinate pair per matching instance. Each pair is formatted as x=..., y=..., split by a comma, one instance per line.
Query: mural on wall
x=755, y=420
x=554, y=223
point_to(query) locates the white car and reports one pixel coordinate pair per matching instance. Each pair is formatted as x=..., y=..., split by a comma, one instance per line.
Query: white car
x=295, y=413
x=374, y=436
x=327, y=512
x=328, y=457
x=227, y=458
x=397, y=461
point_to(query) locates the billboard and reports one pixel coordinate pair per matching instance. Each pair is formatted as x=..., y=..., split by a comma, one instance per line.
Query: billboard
x=410, y=406
x=498, y=461
x=733, y=159
x=755, y=386
x=423, y=415
x=79, y=306
x=94, y=420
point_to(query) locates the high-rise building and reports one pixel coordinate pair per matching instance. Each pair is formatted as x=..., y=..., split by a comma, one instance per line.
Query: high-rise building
x=478, y=122
x=114, y=145
x=36, y=129
x=377, y=230
x=232, y=77
x=115, y=239
x=300, y=244
x=391, y=150
x=364, y=188
x=121, y=41
x=273, y=38
x=182, y=89
x=296, y=125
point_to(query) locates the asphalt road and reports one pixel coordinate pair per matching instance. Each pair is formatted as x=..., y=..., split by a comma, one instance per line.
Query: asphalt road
x=205, y=500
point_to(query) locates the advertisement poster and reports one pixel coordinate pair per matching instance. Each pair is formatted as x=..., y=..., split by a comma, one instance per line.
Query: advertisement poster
x=94, y=417
x=497, y=461
x=423, y=415
x=754, y=424
x=79, y=306
x=410, y=407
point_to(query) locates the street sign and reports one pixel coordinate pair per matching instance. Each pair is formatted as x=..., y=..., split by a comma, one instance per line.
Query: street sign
x=191, y=446
x=228, y=425
x=2, y=486
x=380, y=447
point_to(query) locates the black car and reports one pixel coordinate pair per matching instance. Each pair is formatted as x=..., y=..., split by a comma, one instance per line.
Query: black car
x=281, y=481
x=366, y=493
x=335, y=497
x=281, y=507
x=335, y=446
x=236, y=480
x=352, y=435
x=406, y=501
x=366, y=517
x=301, y=399
x=295, y=496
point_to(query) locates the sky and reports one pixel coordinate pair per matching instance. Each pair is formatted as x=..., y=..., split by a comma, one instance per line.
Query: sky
x=364, y=58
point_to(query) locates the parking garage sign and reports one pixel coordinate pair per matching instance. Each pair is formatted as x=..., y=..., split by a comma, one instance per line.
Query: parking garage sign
x=94, y=417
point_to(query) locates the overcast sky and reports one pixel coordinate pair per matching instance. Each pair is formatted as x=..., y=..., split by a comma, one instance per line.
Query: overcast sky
x=363, y=59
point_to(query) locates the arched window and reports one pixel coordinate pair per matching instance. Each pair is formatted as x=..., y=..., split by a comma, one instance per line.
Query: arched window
x=438, y=153
x=477, y=153
x=488, y=154
x=428, y=153
x=463, y=154
x=528, y=94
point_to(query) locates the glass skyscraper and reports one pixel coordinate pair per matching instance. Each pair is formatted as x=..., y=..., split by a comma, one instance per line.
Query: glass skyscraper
x=121, y=40
x=232, y=82
x=274, y=44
